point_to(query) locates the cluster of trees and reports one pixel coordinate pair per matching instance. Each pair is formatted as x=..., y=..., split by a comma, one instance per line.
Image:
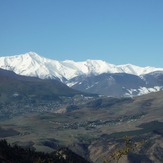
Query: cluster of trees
x=17, y=154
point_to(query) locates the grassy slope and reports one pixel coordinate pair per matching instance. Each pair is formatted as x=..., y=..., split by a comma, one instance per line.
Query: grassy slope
x=31, y=88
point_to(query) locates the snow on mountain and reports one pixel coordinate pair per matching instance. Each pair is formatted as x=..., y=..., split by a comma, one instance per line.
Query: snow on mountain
x=136, y=70
x=143, y=90
x=92, y=67
x=31, y=64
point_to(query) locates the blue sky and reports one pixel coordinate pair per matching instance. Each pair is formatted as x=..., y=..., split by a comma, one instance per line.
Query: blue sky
x=117, y=31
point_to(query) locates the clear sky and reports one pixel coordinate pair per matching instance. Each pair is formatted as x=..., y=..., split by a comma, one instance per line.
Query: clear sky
x=117, y=31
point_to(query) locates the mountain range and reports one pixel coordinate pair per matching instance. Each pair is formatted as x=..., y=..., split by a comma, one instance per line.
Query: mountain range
x=91, y=76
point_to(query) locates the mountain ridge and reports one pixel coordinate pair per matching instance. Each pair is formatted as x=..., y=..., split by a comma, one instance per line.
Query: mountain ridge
x=17, y=88
x=32, y=64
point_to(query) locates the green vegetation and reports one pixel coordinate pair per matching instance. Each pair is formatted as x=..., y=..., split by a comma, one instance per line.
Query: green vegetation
x=29, y=89
x=16, y=154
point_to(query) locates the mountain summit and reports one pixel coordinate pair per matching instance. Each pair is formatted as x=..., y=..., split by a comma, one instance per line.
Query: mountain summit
x=95, y=76
x=31, y=64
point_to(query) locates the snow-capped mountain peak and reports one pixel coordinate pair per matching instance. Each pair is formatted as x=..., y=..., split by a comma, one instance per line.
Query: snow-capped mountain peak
x=32, y=64
x=31, y=54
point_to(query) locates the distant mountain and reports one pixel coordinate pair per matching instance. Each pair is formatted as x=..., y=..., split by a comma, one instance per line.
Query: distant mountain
x=95, y=76
x=119, y=84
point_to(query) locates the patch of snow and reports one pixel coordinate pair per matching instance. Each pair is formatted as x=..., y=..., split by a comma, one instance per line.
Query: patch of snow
x=71, y=84
x=143, y=90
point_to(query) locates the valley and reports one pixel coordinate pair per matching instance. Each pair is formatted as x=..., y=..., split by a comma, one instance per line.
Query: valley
x=91, y=127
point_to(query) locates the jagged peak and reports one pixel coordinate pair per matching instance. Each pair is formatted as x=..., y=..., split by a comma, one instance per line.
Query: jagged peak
x=31, y=54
